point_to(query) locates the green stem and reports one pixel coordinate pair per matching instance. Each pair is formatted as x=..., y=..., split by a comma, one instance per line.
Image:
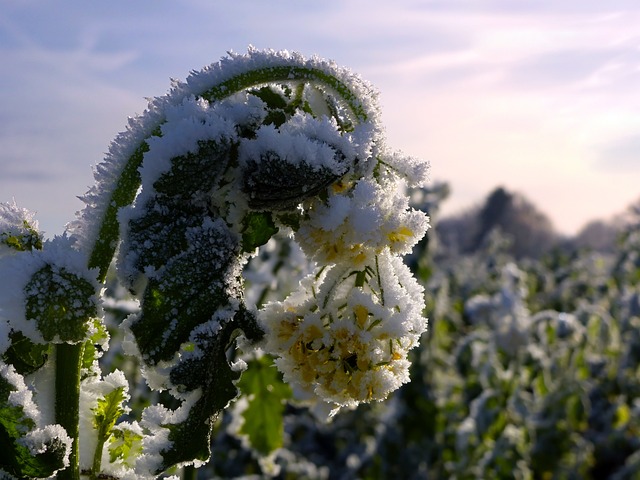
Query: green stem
x=68, y=365
x=189, y=473
x=97, y=457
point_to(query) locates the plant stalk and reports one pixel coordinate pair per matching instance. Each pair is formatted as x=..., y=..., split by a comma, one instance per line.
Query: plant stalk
x=189, y=473
x=68, y=366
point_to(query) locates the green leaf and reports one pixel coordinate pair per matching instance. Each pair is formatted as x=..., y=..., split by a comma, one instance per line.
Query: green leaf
x=267, y=393
x=191, y=287
x=107, y=412
x=269, y=96
x=123, y=194
x=210, y=371
x=258, y=229
x=105, y=415
x=15, y=458
x=125, y=444
x=25, y=356
x=61, y=303
x=276, y=184
x=90, y=352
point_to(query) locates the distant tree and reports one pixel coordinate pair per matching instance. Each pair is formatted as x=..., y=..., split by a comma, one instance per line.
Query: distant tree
x=530, y=231
x=492, y=214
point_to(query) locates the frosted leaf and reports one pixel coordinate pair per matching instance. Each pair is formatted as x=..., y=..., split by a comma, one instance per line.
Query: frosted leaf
x=20, y=395
x=42, y=449
x=38, y=441
x=354, y=99
x=65, y=265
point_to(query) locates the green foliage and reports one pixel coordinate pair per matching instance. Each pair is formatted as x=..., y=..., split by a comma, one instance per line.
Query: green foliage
x=192, y=286
x=108, y=410
x=276, y=185
x=267, y=394
x=125, y=444
x=258, y=228
x=105, y=414
x=25, y=356
x=122, y=195
x=211, y=372
x=90, y=352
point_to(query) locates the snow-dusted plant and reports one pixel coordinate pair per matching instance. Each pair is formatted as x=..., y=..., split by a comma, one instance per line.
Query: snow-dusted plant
x=249, y=146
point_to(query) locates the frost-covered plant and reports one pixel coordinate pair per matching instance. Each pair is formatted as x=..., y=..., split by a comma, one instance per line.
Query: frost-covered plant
x=252, y=145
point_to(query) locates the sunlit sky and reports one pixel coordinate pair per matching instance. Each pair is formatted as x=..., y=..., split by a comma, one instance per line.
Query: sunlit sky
x=542, y=97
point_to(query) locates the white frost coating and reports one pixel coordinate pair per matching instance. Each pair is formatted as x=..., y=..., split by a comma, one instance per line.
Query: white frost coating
x=158, y=439
x=21, y=396
x=302, y=139
x=359, y=220
x=506, y=311
x=363, y=109
x=36, y=440
x=415, y=170
x=43, y=384
x=19, y=269
x=186, y=125
x=60, y=254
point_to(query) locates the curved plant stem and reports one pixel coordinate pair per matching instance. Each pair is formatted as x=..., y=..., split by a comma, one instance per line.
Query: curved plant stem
x=68, y=365
x=129, y=181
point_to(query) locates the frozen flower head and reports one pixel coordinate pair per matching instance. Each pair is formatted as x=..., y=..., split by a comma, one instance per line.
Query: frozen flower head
x=343, y=337
x=360, y=219
x=18, y=230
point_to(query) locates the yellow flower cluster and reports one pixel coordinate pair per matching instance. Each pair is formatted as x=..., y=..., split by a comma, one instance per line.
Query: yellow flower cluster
x=357, y=221
x=343, y=338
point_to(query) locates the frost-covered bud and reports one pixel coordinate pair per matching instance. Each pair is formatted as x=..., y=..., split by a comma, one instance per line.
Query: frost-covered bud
x=344, y=336
x=359, y=220
x=18, y=230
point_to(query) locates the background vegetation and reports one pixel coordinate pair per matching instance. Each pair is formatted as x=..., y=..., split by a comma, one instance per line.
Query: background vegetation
x=530, y=368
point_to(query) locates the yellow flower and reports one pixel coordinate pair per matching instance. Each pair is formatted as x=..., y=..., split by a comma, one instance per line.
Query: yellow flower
x=400, y=235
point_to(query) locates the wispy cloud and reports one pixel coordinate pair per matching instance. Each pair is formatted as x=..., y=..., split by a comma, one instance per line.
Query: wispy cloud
x=620, y=155
x=529, y=94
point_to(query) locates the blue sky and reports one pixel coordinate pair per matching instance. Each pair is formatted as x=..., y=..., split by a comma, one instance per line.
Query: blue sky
x=542, y=97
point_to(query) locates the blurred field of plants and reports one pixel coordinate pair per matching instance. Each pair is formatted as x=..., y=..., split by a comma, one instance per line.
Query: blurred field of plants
x=530, y=368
